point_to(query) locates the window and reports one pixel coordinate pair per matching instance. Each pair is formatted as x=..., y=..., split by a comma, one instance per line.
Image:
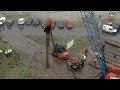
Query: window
x=110, y=28
x=1, y=20
x=20, y=21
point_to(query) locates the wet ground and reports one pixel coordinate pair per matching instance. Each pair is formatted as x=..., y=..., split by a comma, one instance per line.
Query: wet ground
x=16, y=37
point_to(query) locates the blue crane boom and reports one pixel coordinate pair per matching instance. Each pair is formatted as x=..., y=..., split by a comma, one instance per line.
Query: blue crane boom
x=95, y=39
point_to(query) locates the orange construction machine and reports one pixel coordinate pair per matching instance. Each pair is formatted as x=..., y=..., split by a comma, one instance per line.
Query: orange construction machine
x=60, y=52
x=112, y=72
x=75, y=64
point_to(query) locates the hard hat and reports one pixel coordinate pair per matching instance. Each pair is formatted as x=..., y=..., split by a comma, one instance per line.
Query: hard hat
x=96, y=53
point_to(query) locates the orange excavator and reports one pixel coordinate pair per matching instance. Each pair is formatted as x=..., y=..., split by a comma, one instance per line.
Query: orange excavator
x=60, y=52
x=76, y=63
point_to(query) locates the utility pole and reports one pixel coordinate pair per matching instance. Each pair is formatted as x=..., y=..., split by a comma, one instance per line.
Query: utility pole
x=47, y=29
x=47, y=49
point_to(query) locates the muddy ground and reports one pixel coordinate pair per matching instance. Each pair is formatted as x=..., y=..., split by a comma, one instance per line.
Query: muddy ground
x=29, y=42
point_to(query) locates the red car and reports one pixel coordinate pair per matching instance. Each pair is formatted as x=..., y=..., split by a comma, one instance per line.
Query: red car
x=69, y=24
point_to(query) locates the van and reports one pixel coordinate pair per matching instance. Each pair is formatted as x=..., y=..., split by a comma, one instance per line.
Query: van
x=109, y=29
x=2, y=20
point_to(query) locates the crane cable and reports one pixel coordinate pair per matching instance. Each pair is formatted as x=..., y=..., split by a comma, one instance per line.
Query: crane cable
x=52, y=38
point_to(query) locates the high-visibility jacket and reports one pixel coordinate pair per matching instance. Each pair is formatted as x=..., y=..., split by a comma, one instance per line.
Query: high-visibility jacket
x=10, y=50
x=84, y=56
x=1, y=51
x=6, y=52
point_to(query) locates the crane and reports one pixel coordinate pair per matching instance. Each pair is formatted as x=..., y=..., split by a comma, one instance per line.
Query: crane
x=95, y=39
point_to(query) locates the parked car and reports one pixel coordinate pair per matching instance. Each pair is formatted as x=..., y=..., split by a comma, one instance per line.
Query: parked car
x=2, y=20
x=42, y=24
x=69, y=24
x=61, y=24
x=109, y=29
x=21, y=21
x=29, y=21
x=9, y=22
x=36, y=22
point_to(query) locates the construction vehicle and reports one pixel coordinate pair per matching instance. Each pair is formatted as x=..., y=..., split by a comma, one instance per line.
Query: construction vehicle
x=109, y=29
x=58, y=50
x=107, y=71
x=75, y=64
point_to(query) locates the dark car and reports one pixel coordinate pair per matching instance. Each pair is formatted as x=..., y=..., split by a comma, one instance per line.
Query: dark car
x=9, y=22
x=42, y=24
x=36, y=22
x=61, y=24
x=29, y=21
x=69, y=24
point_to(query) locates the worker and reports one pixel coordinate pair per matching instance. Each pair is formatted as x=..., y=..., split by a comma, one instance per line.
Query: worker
x=95, y=60
x=86, y=52
x=100, y=16
x=10, y=52
x=6, y=53
x=47, y=28
x=1, y=51
x=84, y=57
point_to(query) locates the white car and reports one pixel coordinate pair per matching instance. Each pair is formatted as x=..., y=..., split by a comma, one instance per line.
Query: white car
x=21, y=21
x=109, y=29
x=2, y=20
